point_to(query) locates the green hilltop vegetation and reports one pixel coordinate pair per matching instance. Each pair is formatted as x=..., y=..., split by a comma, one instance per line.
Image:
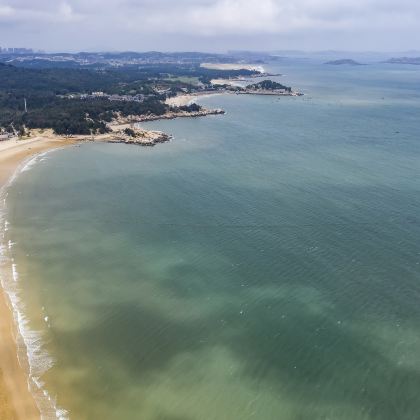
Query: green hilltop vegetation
x=269, y=85
x=63, y=98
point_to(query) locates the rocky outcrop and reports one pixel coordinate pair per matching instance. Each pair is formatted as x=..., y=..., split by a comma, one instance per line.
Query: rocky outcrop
x=125, y=131
x=140, y=137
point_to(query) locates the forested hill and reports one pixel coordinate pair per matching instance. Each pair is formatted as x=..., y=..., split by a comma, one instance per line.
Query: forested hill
x=58, y=81
x=66, y=80
x=47, y=107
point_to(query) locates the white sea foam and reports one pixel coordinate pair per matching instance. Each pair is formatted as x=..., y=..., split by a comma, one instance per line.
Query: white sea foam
x=29, y=165
x=62, y=414
x=36, y=159
x=15, y=273
x=31, y=351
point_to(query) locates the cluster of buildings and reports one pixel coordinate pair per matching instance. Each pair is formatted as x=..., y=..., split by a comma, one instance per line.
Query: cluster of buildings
x=97, y=95
x=5, y=136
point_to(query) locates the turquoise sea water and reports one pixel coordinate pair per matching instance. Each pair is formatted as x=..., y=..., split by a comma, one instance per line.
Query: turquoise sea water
x=263, y=265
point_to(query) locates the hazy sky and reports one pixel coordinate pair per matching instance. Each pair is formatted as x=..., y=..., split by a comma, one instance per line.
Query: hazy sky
x=211, y=25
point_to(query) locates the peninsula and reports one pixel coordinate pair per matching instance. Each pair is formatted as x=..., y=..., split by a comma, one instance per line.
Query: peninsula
x=89, y=103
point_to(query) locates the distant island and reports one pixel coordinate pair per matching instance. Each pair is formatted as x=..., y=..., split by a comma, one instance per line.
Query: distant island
x=404, y=60
x=345, y=61
x=268, y=87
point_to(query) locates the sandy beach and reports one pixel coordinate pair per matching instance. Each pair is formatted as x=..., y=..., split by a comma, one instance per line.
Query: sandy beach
x=16, y=402
x=188, y=99
x=230, y=82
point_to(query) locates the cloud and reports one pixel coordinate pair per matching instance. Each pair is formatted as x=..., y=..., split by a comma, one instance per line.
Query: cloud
x=115, y=21
x=252, y=16
x=20, y=12
x=6, y=11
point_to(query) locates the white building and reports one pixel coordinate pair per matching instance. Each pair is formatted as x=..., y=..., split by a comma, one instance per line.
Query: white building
x=5, y=136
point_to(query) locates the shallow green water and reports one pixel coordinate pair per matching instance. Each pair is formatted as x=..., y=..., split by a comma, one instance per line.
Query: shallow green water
x=264, y=264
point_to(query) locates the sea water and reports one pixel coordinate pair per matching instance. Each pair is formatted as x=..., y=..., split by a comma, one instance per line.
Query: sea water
x=264, y=264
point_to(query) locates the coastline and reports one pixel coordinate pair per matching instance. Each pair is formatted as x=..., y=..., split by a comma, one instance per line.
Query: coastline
x=190, y=98
x=16, y=400
x=20, y=396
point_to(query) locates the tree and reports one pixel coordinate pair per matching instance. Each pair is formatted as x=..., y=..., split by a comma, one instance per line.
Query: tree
x=21, y=131
x=130, y=132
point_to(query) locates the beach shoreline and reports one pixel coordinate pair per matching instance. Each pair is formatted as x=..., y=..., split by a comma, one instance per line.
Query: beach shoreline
x=17, y=402
x=190, y=98
x=16, y=399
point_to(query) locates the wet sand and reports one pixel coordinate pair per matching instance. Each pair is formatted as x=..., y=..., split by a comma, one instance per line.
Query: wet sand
x=16, y=401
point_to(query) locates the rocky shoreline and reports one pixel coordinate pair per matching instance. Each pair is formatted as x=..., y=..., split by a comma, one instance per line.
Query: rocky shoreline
x=139, y=137
x=124, y=129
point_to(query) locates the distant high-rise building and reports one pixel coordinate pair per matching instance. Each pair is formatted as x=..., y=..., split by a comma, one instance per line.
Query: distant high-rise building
x=22, y=50
x=16, y=50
